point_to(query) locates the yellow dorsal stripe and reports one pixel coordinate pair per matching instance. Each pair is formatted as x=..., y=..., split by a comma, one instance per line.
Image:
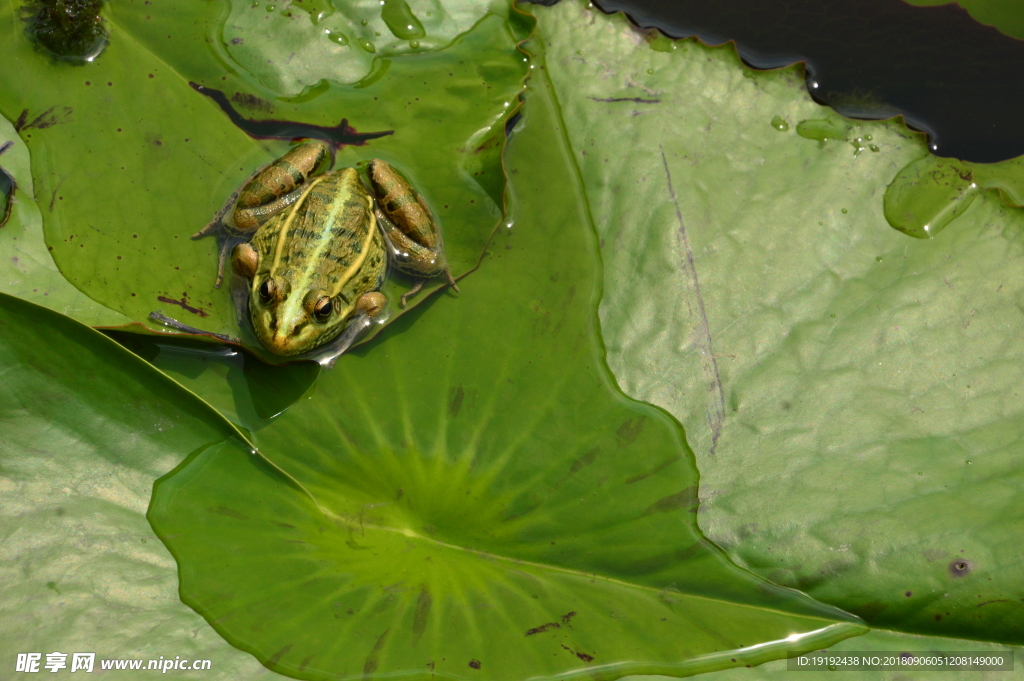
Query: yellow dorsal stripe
x=283, y=234
x=355, y=266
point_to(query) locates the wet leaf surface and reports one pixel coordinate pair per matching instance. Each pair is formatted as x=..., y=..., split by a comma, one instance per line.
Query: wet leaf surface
x=852, y=394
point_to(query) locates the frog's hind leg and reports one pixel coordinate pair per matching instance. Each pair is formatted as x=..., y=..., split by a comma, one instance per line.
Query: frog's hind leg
x=412, y=258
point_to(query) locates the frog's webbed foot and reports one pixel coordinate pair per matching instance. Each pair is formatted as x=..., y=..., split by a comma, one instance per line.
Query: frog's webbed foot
x=412, y=293
x=216, y=227
x=158, y=316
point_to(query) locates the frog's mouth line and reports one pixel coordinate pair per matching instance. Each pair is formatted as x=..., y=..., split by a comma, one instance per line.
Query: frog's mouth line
x=338, y=135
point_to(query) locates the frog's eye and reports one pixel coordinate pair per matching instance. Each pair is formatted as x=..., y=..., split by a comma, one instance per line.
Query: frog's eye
x=323, y=309
x=266, y=291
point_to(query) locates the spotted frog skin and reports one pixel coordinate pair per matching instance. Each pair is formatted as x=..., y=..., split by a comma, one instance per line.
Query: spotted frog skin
x=315, y=246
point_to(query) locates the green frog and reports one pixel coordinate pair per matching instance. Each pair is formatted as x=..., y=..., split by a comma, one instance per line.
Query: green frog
x=314, y=246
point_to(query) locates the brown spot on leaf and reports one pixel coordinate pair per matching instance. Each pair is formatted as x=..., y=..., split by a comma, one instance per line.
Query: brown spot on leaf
x=475, y=664
x=584, y=460
x=542, y=628
x=419, y=618
x=276, y=657
x=455, y=401
x=960, y=567
x=373, y=659
x=582, y=656
x=657, y=469
x=630, y=431
x=567, y=618
x=684, y=499
x=231, y=513
x=47, y=119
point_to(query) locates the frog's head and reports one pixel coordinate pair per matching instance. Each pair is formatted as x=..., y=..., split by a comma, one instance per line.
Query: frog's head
x=289, y=323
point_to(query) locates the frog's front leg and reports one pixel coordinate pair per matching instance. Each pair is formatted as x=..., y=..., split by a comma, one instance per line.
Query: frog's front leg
x=269, y=191
x=409, y=227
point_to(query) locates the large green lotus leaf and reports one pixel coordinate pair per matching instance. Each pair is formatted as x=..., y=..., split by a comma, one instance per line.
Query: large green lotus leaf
x=291, y=46
x=485, y=504
x=852, y=394
x=168, y=156
x=86, y=428
x=1006, y=15
x=26, y=268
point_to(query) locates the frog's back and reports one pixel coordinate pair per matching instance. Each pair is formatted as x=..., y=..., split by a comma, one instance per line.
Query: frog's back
x=328, y=240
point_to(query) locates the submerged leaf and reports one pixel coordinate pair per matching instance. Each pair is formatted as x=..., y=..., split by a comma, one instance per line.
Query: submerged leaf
x=290, y=47
x=86, y=428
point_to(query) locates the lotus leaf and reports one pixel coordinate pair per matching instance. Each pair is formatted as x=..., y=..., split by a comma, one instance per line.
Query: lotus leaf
x=852, y=394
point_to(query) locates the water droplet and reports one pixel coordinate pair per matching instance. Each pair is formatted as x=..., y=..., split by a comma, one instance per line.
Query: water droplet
x=967, y=461
x=414, y=44
x=400, y=20
x=650, y=72
x=780, y=123
x=868, y=137
x=821, y=130
x=367, y=45
x=319, y=13
x=858, y=145
x=873, y=147
x=833, y=316
x=363, y=22
x=271, y=8
x=928, y=194
x=255, y=3
x=878, y=258
x=845, y=211
x=336, y=37
x=821, y=224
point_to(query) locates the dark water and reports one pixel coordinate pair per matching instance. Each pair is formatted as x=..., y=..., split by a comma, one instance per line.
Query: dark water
x=959, y=81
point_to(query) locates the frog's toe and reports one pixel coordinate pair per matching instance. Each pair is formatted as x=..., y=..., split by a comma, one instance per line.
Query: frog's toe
x=411, y=293
x=451, y=281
